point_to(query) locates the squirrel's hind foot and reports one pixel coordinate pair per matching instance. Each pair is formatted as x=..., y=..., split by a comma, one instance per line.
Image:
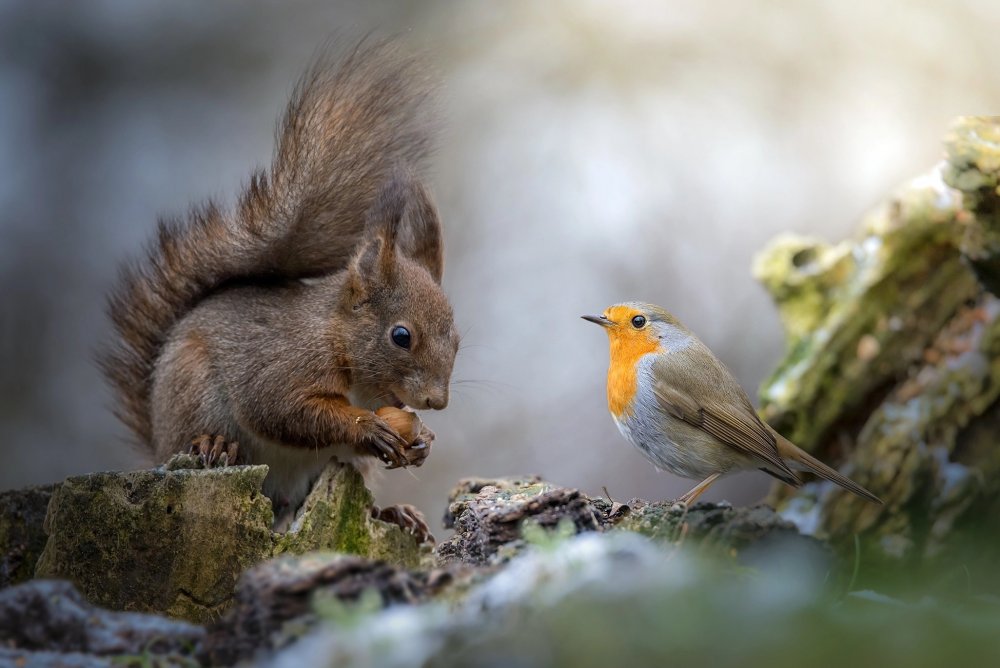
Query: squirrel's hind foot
x=408, y=518
x=214, y=451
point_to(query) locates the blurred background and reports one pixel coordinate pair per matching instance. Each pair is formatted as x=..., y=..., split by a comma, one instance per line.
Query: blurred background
x=594, y=152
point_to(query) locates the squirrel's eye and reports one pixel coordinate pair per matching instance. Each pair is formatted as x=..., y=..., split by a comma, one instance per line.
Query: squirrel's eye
x=638, y=322
x=401, y=336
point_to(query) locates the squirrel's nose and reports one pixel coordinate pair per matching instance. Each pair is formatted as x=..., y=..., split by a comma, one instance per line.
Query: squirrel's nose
x=437, y=401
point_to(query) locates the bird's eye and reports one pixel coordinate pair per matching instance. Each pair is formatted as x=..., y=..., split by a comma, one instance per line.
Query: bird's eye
x=401, y=337
x=638, y=322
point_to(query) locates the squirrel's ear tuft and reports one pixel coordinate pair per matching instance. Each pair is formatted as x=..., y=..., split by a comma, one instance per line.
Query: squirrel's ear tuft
x=420, y=234
x=375, y=260
x=404, y=217
x=386, y=214
x=366, y=270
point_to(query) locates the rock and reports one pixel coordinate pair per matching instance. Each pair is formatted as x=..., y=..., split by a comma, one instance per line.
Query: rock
x=22, y=536
x=893, y=368
x=277, y=601
x=489, y=514
x=50, y=623
x=176, y=541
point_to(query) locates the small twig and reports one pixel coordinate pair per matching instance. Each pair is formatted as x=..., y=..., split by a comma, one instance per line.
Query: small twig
x=857, y=563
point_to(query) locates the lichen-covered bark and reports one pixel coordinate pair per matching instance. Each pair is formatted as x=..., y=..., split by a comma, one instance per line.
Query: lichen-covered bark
x=893, y=364
x=491, y=518
x=860, y=313
x=909, y=446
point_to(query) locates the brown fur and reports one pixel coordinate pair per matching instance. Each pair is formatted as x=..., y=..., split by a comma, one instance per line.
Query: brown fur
x=219, y=333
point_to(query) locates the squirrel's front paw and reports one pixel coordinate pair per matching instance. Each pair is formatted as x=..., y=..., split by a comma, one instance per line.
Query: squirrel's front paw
x=215, y=451
x=416, y=434
x=381, y=440
x=408, y=518
x=420, y=448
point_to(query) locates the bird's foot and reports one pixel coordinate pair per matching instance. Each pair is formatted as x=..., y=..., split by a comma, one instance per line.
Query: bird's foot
x=680, y=506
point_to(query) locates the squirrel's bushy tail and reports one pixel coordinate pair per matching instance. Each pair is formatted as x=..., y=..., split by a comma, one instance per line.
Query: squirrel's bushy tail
x=351, y=122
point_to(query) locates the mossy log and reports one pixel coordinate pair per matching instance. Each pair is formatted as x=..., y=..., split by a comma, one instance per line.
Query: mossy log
x=176, y=541
x=892, y=367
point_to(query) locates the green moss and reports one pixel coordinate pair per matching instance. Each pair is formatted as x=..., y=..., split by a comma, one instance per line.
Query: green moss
x=175, y=541
x=117, y=537
x=336, y=517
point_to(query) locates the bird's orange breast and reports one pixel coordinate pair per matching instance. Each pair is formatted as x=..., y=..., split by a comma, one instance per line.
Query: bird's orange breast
x=623, y=372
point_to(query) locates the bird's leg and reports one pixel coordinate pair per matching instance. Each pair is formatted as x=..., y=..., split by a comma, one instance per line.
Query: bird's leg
x=687, y=499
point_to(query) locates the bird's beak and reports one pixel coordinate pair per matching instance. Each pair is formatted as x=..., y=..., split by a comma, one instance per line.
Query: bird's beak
x=599, y=319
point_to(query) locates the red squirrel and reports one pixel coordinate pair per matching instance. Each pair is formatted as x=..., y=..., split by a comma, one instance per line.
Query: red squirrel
x=300, y=324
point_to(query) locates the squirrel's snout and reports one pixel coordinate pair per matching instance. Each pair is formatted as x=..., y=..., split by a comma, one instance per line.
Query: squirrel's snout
x=436, y=400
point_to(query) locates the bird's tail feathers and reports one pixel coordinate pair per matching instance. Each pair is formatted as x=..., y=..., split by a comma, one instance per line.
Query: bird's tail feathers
x=802, y=460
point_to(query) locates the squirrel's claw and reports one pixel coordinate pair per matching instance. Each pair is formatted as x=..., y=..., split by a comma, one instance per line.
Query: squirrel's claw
x=215, y=451
x=388, y=446
x=418, y=452
x=408, y=518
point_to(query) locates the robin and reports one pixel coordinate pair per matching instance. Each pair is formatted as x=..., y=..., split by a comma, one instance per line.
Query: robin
x=675, y=401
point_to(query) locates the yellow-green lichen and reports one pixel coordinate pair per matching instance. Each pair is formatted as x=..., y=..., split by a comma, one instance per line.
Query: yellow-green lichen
x=894, y=366
x=909, y=448
x=859, y=313
x=973, y=167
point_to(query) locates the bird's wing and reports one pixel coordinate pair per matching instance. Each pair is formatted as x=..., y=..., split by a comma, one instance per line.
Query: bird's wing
x=734, y=425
